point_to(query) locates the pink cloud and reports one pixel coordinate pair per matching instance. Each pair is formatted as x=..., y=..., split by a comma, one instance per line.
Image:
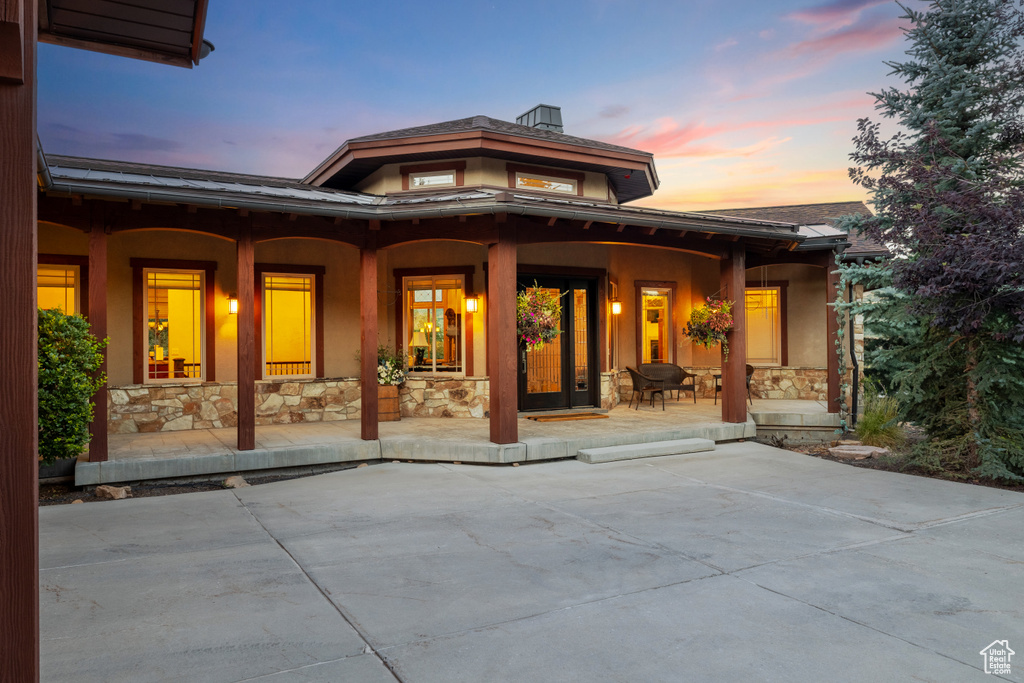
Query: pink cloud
x=834, y=14
x=868, y=35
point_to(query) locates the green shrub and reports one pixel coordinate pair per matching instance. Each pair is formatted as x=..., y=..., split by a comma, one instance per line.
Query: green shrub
x=69, y=357
x=880, y=425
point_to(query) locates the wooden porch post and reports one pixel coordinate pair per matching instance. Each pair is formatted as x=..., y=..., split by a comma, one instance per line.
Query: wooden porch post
x=98, y=322
x=246, y=321
x=368, y=339
x=832, y=334
x=501, y=335
x=19, y=467
x=734, y=370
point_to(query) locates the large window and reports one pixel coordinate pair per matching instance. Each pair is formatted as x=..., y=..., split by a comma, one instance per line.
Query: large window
x=434, y=319
x=764, y=329
x=287, y=309
x=174, y=331
x=545, y=179
x=655, y=324
x=58, y=287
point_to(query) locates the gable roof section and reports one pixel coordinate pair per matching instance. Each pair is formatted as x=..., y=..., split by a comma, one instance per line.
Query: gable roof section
x=824, y=214
x=630, y=171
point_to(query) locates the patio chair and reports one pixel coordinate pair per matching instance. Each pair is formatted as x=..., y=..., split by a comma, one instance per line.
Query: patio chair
x=643, y=384
x=674, y=377
x=718, y=384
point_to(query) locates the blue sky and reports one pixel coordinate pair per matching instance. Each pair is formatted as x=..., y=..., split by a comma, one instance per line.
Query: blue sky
x=748, y=103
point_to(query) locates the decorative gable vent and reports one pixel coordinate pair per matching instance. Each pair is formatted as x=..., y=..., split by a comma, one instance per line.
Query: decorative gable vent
x=543, y=116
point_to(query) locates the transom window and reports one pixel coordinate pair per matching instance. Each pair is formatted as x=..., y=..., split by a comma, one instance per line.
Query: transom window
x=288, y=325
x=174, y=324
x=432, y=179
x=534, y=181
x=434, y=330
x=57, y=286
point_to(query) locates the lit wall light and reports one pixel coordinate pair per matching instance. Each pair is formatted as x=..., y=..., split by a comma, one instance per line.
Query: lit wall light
x=472, y=303
x=616, y=307
x=233, y=304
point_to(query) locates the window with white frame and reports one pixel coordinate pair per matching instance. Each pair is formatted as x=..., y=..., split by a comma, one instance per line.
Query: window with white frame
x=174, y=330
x=434, y=323
x=288, y=325
x=429, y=179
x=536, y=181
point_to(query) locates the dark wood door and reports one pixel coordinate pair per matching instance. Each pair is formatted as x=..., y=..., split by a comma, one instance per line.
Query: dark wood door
x=563, y=373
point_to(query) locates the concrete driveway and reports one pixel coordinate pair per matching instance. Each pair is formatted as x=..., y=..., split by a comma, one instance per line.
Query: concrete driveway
x=748, y=563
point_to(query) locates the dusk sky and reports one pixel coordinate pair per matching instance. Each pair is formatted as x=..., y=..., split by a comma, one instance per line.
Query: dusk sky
x=743, y=103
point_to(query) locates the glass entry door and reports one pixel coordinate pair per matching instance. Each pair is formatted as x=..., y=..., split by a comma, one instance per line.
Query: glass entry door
x=563, y=373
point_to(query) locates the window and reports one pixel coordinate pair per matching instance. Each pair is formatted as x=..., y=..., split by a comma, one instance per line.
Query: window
x=57, y=286
x=545, y=179
x=174, y=334
x=428, y=176
x=764, y=331
x=287, y=311
x=547, y=183
x=432, y=179
x=434, y=330
x=656, y=324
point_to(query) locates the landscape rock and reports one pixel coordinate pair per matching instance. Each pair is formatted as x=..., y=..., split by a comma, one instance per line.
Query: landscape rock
x=857, y=452
x=113, y=492
x=236, y=482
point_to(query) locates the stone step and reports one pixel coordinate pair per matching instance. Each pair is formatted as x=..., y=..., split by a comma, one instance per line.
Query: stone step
x=644, y=450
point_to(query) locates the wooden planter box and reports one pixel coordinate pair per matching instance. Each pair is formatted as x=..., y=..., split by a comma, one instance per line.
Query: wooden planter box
x=387, y=403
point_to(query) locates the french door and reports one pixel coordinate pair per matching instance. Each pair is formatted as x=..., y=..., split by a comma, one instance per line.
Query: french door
x=563, y=373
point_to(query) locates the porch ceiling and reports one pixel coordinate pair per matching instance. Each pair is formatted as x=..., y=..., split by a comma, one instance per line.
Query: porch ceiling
x=166, y=31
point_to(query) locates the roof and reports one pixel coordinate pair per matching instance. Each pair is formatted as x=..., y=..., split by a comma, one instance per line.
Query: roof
x=631, y=172
x=166, y=31
x=823, y=214
x=480, y=122
x=165, y=184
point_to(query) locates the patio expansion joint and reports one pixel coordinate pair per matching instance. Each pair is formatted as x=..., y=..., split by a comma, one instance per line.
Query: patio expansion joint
x=367, y=647
x=866, y=626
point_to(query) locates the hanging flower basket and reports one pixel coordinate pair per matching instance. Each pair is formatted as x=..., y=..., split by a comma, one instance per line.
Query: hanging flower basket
x=709, y=324
x=538, y=313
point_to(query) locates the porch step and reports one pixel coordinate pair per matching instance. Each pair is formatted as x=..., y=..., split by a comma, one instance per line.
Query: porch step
x=644, y=450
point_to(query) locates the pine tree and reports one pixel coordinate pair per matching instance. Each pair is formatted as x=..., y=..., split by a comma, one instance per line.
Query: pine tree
x=948, y=194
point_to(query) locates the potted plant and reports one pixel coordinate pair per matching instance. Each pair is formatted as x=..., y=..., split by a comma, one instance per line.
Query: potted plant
x=709, y=324
x=538, y=314
x=390, y=373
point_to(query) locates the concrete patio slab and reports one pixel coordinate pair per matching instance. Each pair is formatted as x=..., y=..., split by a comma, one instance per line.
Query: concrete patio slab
x=750, y=563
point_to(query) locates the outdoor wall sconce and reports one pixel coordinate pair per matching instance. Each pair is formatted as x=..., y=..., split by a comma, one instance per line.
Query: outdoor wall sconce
x=472, y=303
x=233, y=304
x=616, y=307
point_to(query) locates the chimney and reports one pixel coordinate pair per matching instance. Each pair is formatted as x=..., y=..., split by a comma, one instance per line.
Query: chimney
x=543, y=116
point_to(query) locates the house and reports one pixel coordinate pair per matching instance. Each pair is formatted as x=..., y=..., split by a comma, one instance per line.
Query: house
x=221, y=290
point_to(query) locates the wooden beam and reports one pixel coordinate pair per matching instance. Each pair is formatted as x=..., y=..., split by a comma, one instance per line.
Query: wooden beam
x=650, y=231
x=136, y=205
x=832, y=337
x=683, y=233
x=292, y=217
x=191, y=208
x=12, y=42
x=620, y=227
x=733, y=281
x=19, y=465
x=246, y=322
x=368, y=340
x=586, y=226
x=97, y=297
x=415, y=221
x=552, y=221
x=502, y=348
x=374, y=225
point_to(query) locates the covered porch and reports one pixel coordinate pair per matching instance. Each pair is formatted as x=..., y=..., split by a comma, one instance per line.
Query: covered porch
x=214, y=452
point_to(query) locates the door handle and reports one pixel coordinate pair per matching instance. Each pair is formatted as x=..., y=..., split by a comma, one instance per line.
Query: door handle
x=524, y=361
